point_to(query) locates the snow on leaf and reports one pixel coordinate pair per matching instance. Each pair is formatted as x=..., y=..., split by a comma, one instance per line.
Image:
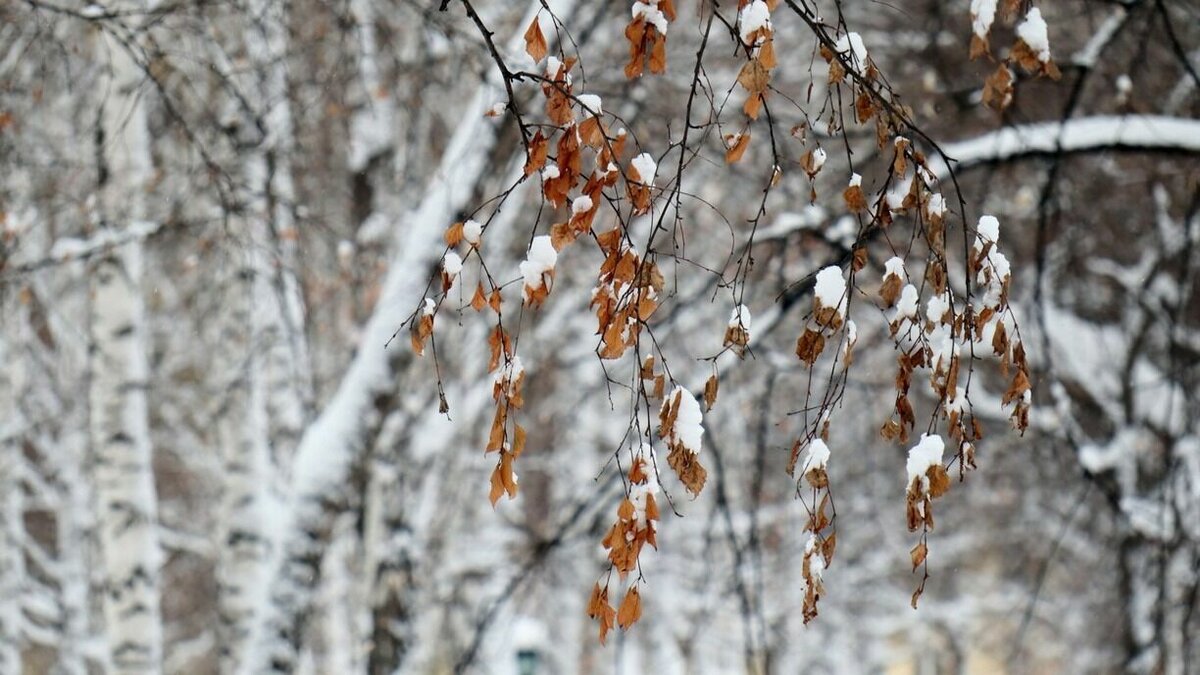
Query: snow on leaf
x=922, y=456
x=754, y=22
x=471, y=232
x=852, y=45
x=829, y=293
x=646, y=168
x=1032, y=32
x=735, y=146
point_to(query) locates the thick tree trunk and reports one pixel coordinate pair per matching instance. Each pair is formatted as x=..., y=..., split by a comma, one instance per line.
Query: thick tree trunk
x=119, y=425
x=277, y=375
x=12, y=563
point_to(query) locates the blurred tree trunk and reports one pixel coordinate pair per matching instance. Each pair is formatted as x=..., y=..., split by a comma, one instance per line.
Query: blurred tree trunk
x=119, y=424
x=277, y=372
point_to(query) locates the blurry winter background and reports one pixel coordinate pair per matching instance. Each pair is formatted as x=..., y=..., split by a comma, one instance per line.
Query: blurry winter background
x=214, y=214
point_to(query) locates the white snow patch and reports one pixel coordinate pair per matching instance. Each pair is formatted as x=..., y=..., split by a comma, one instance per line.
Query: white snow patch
x=740, y=316
x=452, y=264
x=590, y=103
x=542, y=258
x=688, y=428
x=936, y=308
x=987, y=230
x=818, y=455
x=906, y=308
x=983, y=13
x=581, y=204
x=852, y=44
x=652, y=15
x=818, y=159
x=830, y=289
x=472, y=231
x=937, y=204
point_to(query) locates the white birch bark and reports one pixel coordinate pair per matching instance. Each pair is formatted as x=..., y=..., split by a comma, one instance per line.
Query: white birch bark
x=277, y=372
x=12, y=564
x=119, y=424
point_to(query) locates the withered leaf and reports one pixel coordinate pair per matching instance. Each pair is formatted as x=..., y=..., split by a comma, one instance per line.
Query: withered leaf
x=710, y=392
x=539, y=147
x=754, y=77
x=631, y=609
x=736, y=147
x=766, y=54
x=998, y=89
x=979, y=47
x=795, y=456
x=497, y=487
x=479, y=300
x=890, y=430
x=535, y=41
x=454, y=234
x=828, y=546
x=890, y=290
x=856, y=201
x=518, y=441
x=1017, y=389
x=658, y=55
x=809, y=346
x=688, y=468
x=918, y=555
x=917, y=594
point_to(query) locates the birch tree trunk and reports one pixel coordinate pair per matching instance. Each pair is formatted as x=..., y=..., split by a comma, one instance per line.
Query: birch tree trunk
x=12, y=564
x=279, y=388
x=118, y=425
x=277, y=371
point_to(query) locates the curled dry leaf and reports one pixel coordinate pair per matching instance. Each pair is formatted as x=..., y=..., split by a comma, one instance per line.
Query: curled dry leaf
x=631, y=609
x=454, y=234
x=998, y=88
x=691, y=473
x=600, y=610
x=539, y=146
x=422, y=328
x=856, y=201
x=809, y=346
x=710, y=392
x=479, y=299
x=735, y=145
x=535, y=41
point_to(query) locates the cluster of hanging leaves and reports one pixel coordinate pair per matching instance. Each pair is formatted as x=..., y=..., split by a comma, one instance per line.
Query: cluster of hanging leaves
x=647, y=35
x=581, y=164
x=635, y=526
x=1030, y=50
